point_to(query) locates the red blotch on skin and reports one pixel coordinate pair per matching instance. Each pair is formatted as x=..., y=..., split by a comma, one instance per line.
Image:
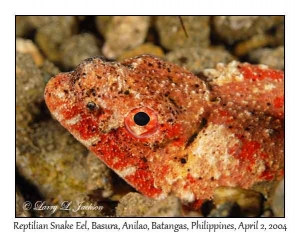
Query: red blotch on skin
x=263, y=156
x=174, y=132
x=247, y=153
x=191, y=179
x=255, y=73
x=164, y=170
x=70, y=112
x=143, y=181
x=267, y=175
x=110, y=152
x=281, y=173
x=87, y=127
x=278, y=102
x=221, y=117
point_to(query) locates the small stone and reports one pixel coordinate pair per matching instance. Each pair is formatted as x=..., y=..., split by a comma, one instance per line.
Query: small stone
x=267, y=213
x=23, y=27
x=134, y=205
x=198, y=59
x=172, y=35
x=278, y=200
x=257, y=41
x=99, y=176
x=271, y=57
x=28, y=47
x=234, y=28
x=77, y=48
x=50, y=158
x=81, y=17
x=249, y=201
x=147, y=48
x=279, y=34
x=41, y=21
x=226, y=210
x=193, y=214
x=49, y=70
x=29, y=90
x=266, y=188
x=168, y=207
x=102, y=24
x=84, y=206
x=124, y=33
x=50, y=36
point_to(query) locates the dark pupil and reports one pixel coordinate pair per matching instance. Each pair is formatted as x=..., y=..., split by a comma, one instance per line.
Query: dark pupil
x=141, y=118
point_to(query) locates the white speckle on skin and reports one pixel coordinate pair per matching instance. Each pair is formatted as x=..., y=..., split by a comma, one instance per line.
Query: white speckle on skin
x=127, y=171
x=224, y=74
x=60, y=94
x=269, y=87
x=263, y=67
x=57, y=114
x=74, y=120
x=188, y=196
x=171, y=180
x=213, y=147
x=89, y=142
x=162, y=196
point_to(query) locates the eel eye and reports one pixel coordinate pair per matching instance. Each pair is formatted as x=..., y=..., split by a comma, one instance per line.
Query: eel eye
x=141, y=122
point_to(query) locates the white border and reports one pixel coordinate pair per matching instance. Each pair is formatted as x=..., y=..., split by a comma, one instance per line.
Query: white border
x=10, y=8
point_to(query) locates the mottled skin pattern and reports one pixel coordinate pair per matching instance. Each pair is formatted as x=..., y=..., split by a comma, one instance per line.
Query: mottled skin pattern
x=224, y=131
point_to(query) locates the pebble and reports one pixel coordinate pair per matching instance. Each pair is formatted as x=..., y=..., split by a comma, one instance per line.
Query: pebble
x=147, y=48
x=278, y=200
x=29, y=88
x=99, y=176
x=124, y=33
x=226, y=210
x=168, y=207
x=102, y=24
x=23, y=27
x=28, y=47
x=49, y=69
x=257, y=41
x=94, y=209
x=51, y=159
x=77, y=48
x=134, y=205
x=279, y=34
x=50, y=36
x=172, y=36
x=273, y=57
x=249, y=201
x=266, y=188
x=197, y=59
x=41, y=21
x=235, y=28
x=137, y=205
